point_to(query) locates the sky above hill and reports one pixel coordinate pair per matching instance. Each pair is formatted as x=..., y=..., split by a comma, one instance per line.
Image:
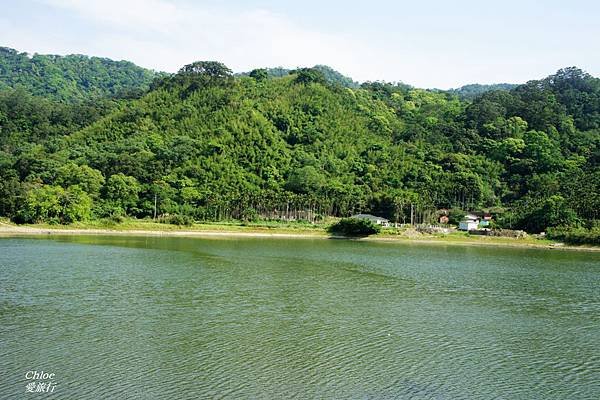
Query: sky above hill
x=429, y=44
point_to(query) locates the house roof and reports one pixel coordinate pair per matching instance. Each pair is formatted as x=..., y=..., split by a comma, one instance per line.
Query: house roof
x=369, y=216
x=470, y=217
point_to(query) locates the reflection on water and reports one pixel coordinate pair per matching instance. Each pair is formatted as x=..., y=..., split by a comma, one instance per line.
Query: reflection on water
x=147, y=317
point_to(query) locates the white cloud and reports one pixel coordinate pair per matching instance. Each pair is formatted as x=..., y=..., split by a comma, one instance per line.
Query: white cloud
x=131, y=14
x=158, y=34
x=167, y=34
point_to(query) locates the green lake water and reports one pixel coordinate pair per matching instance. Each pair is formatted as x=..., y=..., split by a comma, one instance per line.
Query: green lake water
x=190, y=318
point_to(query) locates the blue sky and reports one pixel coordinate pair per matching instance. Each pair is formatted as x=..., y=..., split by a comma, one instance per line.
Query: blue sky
x=424, y=43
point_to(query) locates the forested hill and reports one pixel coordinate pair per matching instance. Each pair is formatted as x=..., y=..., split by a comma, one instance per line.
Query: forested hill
x=207, y=145
x=72, y=77
x=330, y=74
x=471, y=91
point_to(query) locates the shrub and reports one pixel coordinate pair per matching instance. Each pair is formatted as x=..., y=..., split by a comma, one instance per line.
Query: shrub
x=177, y=219
x=117, y=218
x=455, y=216
x=55, y=205
x=354, y=227
x=575, y=235
x=536, y=215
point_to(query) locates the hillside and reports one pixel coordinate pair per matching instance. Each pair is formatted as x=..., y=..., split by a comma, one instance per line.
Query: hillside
x=332, y=76
x=207, y=145
x=72, y=77
x=471, y=91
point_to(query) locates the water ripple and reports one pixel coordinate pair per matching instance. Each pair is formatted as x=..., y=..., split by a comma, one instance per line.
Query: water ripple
x=193, y=318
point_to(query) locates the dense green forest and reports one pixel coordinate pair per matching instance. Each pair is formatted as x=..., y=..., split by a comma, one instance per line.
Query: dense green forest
x=205, y=144
x=73, y=77
x=471, y=91
x=331, y=76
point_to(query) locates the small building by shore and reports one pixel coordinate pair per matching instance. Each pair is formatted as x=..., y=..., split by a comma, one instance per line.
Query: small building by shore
x=470, y=222
x=443, y=216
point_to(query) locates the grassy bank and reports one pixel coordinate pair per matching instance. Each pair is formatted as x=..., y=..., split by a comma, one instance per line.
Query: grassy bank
x=129, y=225
x=274, y=229
x=148, y=225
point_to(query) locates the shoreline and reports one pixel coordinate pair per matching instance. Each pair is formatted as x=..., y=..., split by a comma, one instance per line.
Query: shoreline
x=9, y=230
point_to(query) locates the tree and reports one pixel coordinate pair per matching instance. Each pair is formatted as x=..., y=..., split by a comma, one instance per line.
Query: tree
x=53, y=204
x=305, y=180
x=259, y=74
x=41, y=204
x=306, y=76
x=544, y=153
x=212, y=69
x=195, y=76
x=76, y=205
x=88, y=179
x=122, y=191
x=536, y=215
x=11, y=190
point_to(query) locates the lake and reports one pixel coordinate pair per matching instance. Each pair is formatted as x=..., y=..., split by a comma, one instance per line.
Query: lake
x=192, y=318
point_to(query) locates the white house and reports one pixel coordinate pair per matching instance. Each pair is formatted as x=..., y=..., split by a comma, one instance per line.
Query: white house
x=469, y=223
x=376, y=220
